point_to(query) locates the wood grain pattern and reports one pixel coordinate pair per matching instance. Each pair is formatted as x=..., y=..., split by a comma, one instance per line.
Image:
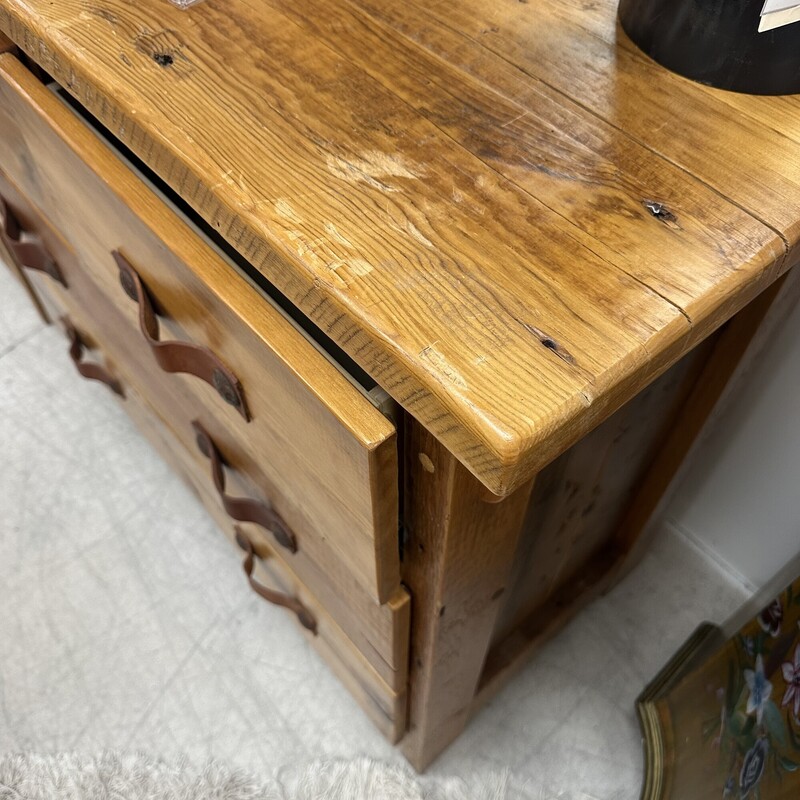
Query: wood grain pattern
x=457, y=562
x=741, y=146
x=505, y=306
x=582, y=167
x=325, y=457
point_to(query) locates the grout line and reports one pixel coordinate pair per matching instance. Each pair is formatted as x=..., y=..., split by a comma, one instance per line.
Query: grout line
x=25, y=338
x=711, y=555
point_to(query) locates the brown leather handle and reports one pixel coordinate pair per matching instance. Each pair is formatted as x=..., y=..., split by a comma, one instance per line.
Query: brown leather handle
x=243, y=509
x=184, y=357
x=276, y=598
x=89, y=370
x=26, y=248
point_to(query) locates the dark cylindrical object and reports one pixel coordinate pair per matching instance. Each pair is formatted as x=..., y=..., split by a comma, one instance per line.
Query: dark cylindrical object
x=716, y=42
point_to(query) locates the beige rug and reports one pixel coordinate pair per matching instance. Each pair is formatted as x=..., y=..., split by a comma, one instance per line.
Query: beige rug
x=139, y=777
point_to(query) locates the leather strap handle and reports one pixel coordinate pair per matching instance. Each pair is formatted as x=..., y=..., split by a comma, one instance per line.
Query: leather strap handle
x=26, y=248
x=306, y=618
x=243, y=509
x=172, y=356
x=87, y=369
x=276, y=598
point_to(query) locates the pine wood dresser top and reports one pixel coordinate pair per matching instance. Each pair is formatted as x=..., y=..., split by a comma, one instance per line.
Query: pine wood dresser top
x=502, y=210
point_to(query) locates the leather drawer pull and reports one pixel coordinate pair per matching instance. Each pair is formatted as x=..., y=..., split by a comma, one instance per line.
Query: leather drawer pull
x=90, y=371
x=26, y=247
x=276, y=598
x=179, y=356
x=243, y=509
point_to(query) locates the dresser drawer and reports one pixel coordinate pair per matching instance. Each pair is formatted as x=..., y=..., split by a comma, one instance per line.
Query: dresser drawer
x=320, y=452
x=379, y=632
x=314, y=447
x=93, y=352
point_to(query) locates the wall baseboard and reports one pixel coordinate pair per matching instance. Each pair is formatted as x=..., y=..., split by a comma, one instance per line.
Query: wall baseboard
x=710, y=554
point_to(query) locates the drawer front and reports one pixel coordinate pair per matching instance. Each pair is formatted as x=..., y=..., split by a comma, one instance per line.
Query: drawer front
x=385, y=705
x=378, y=631
x=320, y=452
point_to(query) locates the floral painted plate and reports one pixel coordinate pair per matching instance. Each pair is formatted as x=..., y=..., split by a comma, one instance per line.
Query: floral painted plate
x=722, y=720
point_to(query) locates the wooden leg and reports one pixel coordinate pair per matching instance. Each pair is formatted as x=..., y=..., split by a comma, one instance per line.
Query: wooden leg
x=458, y=555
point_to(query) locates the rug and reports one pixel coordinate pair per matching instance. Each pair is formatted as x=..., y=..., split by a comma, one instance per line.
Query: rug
x=112, y=776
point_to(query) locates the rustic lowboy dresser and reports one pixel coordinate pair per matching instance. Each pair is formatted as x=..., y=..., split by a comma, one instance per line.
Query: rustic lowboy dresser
x=427, y=301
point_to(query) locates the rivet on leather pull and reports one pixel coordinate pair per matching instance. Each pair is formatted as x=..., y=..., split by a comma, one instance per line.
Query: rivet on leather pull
x=225, y=388
x=128, y=285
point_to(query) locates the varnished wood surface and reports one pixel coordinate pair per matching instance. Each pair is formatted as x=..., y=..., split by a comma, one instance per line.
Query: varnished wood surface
x=323, y=455
x=456, y=193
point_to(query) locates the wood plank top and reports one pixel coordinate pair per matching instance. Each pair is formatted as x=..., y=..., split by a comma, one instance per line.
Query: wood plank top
x=502, y=210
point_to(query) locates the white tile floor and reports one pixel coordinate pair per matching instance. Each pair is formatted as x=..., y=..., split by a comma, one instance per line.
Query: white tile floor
x=125, y=623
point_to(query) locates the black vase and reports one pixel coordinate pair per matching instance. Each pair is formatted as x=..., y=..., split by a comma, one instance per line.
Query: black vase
x=716, y=42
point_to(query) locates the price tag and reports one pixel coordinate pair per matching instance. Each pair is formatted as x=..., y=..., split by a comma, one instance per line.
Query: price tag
x=777, y=13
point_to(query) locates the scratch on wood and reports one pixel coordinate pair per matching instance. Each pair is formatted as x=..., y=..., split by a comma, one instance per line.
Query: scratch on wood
x=306, y=247
x=515, y=119
x=372, y=167
x=226, y=179
x=333, y=231
x=358, y=266
x=316, y=253
x=283, y=208
x=418, y=235
x=352, y=268
x=338, y=280
x=409, y=227
x=442, y=366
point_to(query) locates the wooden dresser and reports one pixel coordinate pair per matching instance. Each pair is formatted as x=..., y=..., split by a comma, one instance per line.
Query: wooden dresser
x=427, y=302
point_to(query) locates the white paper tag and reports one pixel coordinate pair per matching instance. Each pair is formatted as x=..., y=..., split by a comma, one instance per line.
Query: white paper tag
x=777, y=13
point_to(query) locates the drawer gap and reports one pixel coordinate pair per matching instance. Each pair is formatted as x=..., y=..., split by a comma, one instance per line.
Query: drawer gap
x=321, y=341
